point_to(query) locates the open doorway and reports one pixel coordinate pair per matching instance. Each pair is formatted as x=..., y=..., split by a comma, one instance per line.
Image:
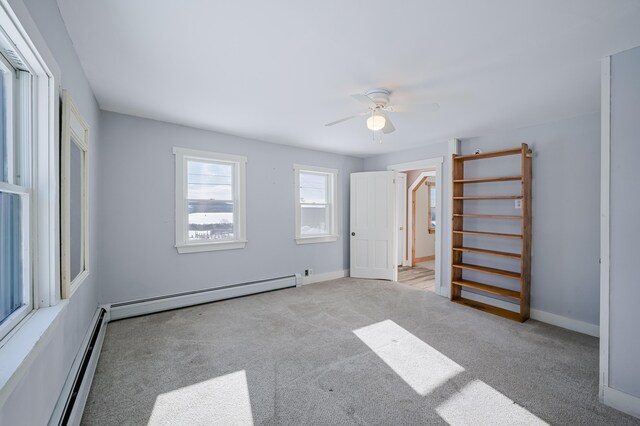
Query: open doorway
x=420, y=234
x=419, y=239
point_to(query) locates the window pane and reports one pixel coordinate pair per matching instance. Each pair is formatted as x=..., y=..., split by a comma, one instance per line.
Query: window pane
x=75, y=210
x=210, y=220
x=209, y=181
x=10, y=255
x=433, y=207
x=313, y=187
x=210, y=192
x=314, y=219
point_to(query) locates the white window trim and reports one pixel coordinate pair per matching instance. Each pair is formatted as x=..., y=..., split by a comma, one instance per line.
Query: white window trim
x=27, y=339
x=22, y=190
x=40, y=154
x=44, y=196
x=183, y=245
x=9, y=82
x=333, y=202
x=75, y=130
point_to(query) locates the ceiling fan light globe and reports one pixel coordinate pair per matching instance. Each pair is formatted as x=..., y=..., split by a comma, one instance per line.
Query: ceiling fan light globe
x=376, y=122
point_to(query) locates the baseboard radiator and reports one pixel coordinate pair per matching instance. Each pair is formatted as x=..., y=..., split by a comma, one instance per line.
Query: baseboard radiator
x=181, y=300
x=70, y=405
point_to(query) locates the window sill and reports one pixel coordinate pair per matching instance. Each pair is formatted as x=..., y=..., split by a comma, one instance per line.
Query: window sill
x=25, y=344
x=199, y=247
x=312, y=240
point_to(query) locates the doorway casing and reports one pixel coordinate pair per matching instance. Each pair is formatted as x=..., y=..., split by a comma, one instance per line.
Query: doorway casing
x=434, y=164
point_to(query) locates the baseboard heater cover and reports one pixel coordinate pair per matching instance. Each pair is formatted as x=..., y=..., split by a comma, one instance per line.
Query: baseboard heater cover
x=152, y=305
x=74, y=395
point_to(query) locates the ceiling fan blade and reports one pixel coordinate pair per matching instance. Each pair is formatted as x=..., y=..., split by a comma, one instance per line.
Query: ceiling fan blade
x=364, y=99
x=388, y=127
x=346, y=118
x=432, y=107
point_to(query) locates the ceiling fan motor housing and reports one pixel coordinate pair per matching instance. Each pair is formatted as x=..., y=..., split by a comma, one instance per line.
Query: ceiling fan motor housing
x=379, y=96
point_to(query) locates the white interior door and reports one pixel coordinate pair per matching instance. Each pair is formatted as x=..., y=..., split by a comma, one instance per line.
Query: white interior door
x=401, y=203
x=374, y=225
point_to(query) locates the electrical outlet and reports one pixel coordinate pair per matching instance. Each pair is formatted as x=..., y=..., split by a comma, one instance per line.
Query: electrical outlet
x=310, y=271
x=518, y=204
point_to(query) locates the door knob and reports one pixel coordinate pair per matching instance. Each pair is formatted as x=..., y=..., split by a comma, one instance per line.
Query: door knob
x=353, y=234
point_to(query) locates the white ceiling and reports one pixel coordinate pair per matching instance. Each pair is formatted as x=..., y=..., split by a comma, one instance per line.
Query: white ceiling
x=279, y=70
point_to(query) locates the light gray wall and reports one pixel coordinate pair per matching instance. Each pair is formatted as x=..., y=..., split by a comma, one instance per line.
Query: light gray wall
x=624, y=331
x=566, y=179
x=136, y=220
x=566, y=212
x=34, y=397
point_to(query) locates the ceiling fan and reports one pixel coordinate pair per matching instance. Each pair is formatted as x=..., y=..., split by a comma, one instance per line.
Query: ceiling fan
x=377, y=101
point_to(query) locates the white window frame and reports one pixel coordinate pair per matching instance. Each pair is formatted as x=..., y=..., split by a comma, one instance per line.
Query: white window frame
x=75, y=130
x=22, y=189
x=27, y=284
x=35, y=126
x=10, y=83
x=431, y=185
x=183, y=244
x=332, y=202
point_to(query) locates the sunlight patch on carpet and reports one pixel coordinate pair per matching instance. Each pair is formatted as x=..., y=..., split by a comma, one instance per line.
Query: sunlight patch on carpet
x=424, y=368
x=222, y=400
x=420, y=365
x=485, y=405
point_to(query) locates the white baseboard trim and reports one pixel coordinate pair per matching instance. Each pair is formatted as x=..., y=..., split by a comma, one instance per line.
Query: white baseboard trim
x=150, y=306
x=77, y=409
x=327, y=276
x=622, y=401
x=564, y=322
x=542, y=316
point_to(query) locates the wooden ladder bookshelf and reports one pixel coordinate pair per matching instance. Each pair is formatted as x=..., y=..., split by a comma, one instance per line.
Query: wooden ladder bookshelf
x=459, y=231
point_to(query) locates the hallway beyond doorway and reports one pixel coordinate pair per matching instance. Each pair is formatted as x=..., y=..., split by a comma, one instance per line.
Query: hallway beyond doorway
x=419, y=276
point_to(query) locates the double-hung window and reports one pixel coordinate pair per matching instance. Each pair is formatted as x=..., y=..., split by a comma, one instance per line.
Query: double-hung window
x=29, y=234
x=210, y=201
x=431, y=226
x=16, y=289
x=316, y=204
